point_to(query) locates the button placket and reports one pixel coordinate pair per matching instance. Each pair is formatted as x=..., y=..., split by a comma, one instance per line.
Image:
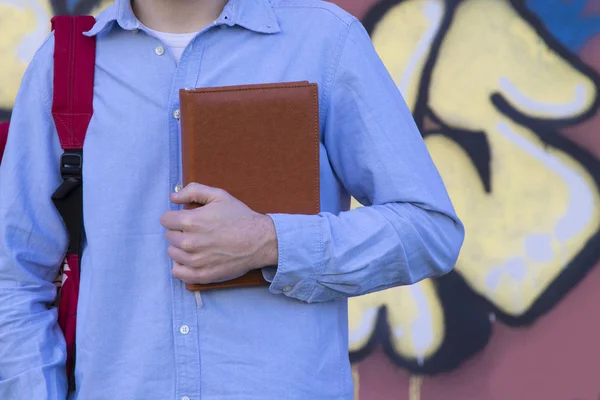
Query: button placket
x=185, y=316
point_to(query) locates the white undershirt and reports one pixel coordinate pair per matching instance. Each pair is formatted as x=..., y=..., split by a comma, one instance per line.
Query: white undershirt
x=176, y=42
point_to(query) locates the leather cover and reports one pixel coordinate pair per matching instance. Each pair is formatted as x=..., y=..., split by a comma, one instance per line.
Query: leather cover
x=260, y=143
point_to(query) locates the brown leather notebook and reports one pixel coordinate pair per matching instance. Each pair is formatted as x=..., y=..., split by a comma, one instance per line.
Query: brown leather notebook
x=260, y=143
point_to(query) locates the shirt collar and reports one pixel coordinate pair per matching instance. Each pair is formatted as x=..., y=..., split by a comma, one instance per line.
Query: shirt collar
x=254, y=15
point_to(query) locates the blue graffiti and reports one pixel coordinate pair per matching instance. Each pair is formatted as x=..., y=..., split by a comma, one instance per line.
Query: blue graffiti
x=567, y=21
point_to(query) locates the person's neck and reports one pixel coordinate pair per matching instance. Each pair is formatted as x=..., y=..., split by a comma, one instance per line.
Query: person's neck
x=177, y=16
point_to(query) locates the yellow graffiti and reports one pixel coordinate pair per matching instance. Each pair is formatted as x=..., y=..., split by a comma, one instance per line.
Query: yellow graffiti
x=25, y=24
x=414, y=314
x=417, y=23
x=543, y=207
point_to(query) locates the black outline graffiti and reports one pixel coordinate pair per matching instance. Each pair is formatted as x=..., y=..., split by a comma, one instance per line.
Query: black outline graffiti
x=467, y=330
x=467, y=314
x=4, y=115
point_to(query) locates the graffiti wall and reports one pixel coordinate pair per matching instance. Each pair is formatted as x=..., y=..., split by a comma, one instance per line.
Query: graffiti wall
x=506, y=96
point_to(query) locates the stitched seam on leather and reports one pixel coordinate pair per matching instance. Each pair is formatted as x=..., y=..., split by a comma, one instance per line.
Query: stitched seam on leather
x=211, y=90
x=317, y=169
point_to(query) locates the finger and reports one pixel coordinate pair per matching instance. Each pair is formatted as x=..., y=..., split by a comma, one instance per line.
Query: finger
x=182, y=240
x=182, y=272
x=197, y=194
x=182, y=257
x=192, y=275
x=181, y=220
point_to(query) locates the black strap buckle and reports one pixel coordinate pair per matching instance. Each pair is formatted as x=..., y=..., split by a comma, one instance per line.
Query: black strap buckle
x=71, y=166
x=71, y=163
x=68, y=198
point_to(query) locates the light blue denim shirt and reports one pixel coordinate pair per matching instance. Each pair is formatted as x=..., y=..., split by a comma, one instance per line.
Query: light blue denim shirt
x=141, y=335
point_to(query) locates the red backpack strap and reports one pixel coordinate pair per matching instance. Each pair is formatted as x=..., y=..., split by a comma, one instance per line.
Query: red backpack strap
x=3, y=138
x=73, y=81
x=72, y=108
x=74, y=61
x=74, y=64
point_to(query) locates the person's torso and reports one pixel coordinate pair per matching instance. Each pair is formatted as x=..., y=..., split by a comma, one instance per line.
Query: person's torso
x=140, y=333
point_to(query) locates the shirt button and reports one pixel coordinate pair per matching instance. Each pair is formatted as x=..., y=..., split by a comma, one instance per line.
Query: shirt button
x=185, y=398
x=184, y=330
x=178, y=188
x=135, y=31
x=223, y=26
x=287, y=288
x=177, y=114
x=159, y=50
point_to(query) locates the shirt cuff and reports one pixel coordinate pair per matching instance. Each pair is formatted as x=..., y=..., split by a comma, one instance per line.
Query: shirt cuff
x=301, y=255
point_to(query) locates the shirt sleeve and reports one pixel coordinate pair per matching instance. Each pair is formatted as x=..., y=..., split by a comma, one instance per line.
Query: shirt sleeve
x=407, y=231
x=33, y=241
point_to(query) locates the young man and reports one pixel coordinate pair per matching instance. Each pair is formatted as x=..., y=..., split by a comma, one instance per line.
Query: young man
x=141, y=334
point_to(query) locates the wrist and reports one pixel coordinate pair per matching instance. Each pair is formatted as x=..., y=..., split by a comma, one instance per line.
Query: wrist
x=267, y=253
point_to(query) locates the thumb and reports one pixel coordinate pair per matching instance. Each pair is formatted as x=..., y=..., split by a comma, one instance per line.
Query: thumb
x=196, y=193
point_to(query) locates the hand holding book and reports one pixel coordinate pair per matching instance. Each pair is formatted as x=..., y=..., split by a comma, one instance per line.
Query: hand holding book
x=221, y=240
x=260, y=144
